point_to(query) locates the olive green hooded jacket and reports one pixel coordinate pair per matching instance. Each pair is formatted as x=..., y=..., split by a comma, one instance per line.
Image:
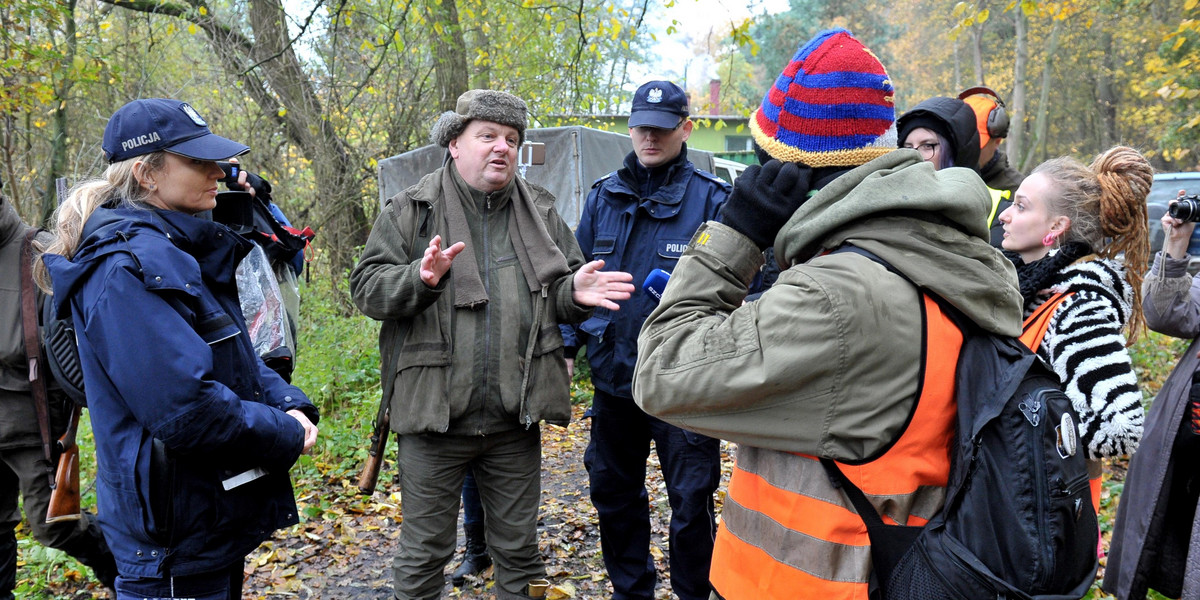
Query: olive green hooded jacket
x=458, y=370
x=827, y=361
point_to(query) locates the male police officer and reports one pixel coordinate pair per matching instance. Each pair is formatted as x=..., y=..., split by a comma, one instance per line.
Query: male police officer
x=638, y=219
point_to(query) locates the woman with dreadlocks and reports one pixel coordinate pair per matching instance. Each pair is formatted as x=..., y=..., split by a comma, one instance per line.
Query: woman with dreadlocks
x=1078, y=237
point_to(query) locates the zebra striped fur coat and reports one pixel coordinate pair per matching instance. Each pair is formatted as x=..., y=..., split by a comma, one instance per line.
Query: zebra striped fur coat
x=1086, y=347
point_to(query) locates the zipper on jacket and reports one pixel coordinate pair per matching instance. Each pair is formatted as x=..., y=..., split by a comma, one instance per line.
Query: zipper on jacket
x=487, y=310
x=1041, y=493
x=534, y=333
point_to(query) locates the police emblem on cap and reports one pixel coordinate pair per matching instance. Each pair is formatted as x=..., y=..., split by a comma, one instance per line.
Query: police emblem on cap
x=193, y=115
x=654, y=96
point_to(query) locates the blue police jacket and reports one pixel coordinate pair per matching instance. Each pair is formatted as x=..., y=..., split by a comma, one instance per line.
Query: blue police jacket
x=177, y=398
x=637, y=220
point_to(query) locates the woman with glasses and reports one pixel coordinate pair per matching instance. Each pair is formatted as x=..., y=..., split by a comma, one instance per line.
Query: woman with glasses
x=943, y=131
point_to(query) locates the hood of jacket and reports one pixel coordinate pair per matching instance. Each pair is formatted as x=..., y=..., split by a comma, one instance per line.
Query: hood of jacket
x=930, y=225
x=209, y=251
x=958, y=126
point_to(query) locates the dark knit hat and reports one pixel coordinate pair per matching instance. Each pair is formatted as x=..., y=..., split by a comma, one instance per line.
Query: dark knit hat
x=833, y=105
x=487, y=105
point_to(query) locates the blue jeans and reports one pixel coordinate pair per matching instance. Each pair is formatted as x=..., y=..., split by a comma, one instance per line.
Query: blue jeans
x=225, y=584
x=616, y=463
x=472, y=505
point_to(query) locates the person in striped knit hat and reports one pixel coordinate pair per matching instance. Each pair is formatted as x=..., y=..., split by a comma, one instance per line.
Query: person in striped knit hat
x=841, y=358
x=1082, y=231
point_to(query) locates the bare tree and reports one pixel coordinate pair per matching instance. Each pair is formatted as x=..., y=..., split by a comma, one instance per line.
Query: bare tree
x=272, y=75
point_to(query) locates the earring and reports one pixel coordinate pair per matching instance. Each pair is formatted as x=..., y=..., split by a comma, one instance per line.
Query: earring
x=1048, y=240
x=151, y=187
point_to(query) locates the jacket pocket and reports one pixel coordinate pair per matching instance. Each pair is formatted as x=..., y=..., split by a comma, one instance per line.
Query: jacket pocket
x=549, y=389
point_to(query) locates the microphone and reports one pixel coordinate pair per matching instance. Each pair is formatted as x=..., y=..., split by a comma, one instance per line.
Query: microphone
x=656, y=283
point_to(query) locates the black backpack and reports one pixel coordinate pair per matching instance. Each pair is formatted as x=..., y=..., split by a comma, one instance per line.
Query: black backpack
x=61, y=351
x=1018, y=520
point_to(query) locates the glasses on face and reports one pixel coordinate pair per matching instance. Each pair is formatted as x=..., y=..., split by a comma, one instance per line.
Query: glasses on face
x=926, y=149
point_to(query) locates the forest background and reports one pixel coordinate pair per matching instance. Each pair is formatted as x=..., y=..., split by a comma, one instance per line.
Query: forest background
x=322, y=90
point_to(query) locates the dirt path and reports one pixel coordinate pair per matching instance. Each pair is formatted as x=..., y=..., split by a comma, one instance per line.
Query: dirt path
x=348, y=557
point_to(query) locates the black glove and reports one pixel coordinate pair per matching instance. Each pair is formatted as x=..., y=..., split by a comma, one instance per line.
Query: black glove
x=764, y=198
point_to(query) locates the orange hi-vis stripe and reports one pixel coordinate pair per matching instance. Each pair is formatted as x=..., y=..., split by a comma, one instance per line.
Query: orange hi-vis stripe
x=786, y=532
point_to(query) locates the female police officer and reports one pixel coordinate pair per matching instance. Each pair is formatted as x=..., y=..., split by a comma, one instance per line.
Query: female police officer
x=194, y=435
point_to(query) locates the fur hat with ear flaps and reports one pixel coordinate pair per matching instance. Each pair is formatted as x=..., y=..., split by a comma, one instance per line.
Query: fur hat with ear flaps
x=487, y=105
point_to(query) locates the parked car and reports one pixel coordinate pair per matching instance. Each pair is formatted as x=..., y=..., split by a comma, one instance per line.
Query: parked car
x=1166, y=186
x=727, y=169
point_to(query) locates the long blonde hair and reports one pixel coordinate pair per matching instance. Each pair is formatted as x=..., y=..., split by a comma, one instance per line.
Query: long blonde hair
x=117, y=185
x=1106, y=203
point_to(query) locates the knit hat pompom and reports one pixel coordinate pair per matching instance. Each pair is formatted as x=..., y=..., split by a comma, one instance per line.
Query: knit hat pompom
x=487, y=105
x=833, y=106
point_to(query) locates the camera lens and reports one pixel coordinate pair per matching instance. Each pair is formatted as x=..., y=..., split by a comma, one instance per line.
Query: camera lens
x=1187, y=209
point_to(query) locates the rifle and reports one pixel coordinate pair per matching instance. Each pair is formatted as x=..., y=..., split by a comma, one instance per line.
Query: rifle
x=64, y=495
x=379, y=438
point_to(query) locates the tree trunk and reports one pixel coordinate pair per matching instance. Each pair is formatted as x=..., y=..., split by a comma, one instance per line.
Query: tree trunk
x=338, y=174
x=58, y=139
x=1042, y=120
x=977, y=54
x=1106, y=91
x=1016, y=131
x=450, y=52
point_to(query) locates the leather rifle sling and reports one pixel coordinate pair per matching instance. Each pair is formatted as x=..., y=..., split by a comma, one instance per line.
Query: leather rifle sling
x=33, y=350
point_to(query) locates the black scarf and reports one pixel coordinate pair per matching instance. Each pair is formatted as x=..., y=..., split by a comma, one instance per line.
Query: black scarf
x=1039, y=274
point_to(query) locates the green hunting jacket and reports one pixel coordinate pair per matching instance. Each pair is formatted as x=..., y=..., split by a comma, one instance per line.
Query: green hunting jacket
x=827, y=361
x=459, y=370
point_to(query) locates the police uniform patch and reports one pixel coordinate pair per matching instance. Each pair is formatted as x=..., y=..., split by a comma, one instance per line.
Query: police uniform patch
x=672, y=248
x=193, y=115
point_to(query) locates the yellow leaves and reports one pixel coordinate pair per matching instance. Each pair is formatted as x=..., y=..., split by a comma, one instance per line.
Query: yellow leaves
x=191, y=28
x=39, y=123
x=282, y=111
x=203, y=11
x=1190, y=5
x=439, y=28
x=561, y=591
x=105, y=25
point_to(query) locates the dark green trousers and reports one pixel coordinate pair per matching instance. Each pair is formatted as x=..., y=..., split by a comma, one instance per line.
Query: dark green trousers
x=23, y=471
x=507, y=468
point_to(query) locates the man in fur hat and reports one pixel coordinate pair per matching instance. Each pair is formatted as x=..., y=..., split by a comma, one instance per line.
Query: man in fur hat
x=472, y=357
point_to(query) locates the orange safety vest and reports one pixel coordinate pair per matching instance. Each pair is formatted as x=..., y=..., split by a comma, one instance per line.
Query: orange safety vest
x=786, y=532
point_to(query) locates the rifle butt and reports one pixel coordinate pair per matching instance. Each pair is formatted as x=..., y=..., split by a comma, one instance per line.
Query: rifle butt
x=370, y=474
x=64, y=498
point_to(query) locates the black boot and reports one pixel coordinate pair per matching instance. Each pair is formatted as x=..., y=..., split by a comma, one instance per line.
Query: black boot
x=8, y=564
x=476, y=558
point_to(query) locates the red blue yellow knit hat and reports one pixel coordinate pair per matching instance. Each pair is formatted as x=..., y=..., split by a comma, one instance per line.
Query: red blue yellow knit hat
x=833, y=106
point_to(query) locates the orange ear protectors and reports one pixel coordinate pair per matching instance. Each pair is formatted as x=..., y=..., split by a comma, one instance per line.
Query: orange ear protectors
x=997, y=119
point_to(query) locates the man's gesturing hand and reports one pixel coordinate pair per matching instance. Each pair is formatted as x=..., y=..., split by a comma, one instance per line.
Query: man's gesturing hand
x=594, y=287
x=436, y=261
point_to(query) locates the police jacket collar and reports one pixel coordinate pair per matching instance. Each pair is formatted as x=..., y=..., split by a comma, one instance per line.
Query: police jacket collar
x=664, y=185
x=208, y=252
